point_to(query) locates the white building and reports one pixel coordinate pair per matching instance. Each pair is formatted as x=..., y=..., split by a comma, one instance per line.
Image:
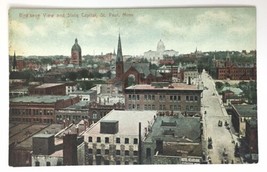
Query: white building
x=157, y=55
x=115, y=138
x=89, y=95
x=71, y=87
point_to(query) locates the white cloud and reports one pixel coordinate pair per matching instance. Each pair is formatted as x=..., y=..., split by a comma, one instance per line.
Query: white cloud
x=144, y=19
x=19, y=29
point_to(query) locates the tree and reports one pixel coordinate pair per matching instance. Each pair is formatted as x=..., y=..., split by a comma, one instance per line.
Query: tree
x=72, y=76
x=219, y=85
x=83, y=73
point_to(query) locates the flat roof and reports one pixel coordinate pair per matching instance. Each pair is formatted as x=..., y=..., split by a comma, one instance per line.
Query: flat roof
x=173, y=86
x=246, y=110
x=128, y=122
x=26, y=133
x=176, y=129
x=39, y=99
x=45, y=132
x=47, y=85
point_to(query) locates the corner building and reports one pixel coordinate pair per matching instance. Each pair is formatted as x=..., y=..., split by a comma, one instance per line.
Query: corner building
x=174, y=99
x=116, y=138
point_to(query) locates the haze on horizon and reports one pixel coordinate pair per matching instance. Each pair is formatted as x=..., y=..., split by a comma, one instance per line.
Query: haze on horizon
x=44, y=32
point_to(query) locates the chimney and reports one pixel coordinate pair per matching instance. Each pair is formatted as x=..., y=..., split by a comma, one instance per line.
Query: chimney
x=139, y=145
x=70, y=149
x=77, y=129
x=189, y=80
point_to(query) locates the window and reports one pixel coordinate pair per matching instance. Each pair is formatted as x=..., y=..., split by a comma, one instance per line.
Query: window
x=138, y=107
x=106, y=151
x=130, y=106
x=126, y=141
x=135, y=153
x=37, y=163
x=106, y=140
x=196, y=98
x=98, y=151
x=98, y=139
x=90, y=151
x=118, y=140
x=90, y=139
x=137, y=97
x=126, y=162
x=145, y=107
x=118, y=152
x=145, y=97
x=153, y=97
x=179, y=98
x=130, y=97
x=187, y=98
x=127, y=153
x=171, y=98
x=135, y=141
x=171, y=107
x=106, y=162
x=160, y=107
x=94, y=115
x=118, y=162
x=191, y=98
x=48, y=163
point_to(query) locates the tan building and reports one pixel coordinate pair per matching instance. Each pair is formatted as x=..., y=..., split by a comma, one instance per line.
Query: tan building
x=115, y=139
x=177, y=98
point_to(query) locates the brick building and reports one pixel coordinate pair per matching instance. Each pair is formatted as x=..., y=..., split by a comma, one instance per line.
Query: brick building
x=240, y=114
x=76, y=54
x=135, y=73
x=48, y=89
x=166, y=99
x=38, y=109
x=252, y=136
x=234, y=71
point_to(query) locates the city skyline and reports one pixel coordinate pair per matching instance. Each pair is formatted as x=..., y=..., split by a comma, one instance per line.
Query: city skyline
x=53, y=31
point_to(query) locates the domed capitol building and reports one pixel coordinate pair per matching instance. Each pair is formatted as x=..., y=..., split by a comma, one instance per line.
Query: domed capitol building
x=155, y=56
x=76, y=54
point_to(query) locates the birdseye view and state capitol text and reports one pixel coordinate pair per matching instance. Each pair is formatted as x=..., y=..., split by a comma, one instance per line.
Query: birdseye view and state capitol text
x=132, y=86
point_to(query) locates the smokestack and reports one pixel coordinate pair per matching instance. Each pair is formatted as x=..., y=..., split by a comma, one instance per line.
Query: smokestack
x=189, y=80
x=139, y=145
x=70, y=149
x=77, y=129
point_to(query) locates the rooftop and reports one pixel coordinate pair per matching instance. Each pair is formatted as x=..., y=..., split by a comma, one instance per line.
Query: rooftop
x=82, y=92
x=39, y=99
x=236, y=91
x=128, y=122
x=47, y=85
x=48, y=130
x=246, y=110
x=173, y=86
x=176, y=129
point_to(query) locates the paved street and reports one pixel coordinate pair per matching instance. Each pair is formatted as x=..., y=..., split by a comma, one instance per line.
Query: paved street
x=222, y=138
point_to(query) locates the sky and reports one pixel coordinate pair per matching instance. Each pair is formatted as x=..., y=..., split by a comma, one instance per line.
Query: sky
x=45, y=32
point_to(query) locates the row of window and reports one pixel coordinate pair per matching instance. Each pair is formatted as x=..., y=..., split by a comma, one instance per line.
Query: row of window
x=118, y=140
x=107, y=162
x=35, y=120
x=163, y=97
x=31, y=112
x=118, y=152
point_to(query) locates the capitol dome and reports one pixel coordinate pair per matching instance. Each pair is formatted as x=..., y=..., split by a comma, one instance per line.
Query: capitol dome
x=161, y=46
x=76, y=46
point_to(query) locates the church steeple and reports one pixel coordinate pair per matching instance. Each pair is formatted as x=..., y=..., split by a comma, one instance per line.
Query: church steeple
x=119, y=61
x=119, y=51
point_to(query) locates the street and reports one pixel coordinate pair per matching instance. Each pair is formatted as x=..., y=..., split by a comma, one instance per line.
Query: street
x=223, y=138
